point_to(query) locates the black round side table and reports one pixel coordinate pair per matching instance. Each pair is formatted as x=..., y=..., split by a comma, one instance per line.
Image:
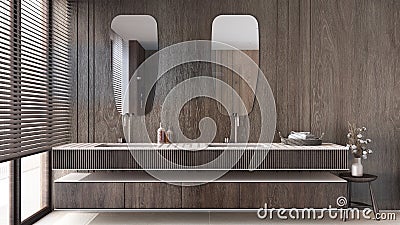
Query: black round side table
x=364, y=179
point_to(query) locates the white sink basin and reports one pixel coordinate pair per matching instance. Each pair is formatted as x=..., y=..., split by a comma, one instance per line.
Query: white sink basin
x=235, y=145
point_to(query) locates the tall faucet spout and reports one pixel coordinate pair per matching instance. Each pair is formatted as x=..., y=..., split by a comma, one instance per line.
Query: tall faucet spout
x=236, y=125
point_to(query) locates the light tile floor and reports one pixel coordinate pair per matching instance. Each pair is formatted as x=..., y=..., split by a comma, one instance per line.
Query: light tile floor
x=176, y=218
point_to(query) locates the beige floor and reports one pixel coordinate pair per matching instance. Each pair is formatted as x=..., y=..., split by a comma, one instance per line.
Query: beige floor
x=187, y=218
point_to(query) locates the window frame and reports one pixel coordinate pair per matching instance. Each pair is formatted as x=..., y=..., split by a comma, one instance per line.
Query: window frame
x=15, y=164
x=48, y=208
x=15, y=193
x=10, y=197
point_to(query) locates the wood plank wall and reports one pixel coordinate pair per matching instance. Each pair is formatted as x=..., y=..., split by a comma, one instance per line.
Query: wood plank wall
x=328, y=62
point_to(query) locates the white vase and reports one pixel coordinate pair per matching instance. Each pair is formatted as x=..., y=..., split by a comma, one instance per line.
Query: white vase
x=357, y=168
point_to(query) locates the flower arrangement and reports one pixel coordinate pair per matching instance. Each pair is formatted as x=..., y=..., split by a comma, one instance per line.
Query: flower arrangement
x=355, y=142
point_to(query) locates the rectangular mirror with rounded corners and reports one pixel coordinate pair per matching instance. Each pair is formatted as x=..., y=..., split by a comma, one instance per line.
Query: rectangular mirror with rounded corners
x=134, y=38
x=236, y=37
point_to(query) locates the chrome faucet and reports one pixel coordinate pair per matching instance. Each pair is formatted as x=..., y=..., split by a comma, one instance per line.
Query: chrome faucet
x=236, y=121
x=126, y=122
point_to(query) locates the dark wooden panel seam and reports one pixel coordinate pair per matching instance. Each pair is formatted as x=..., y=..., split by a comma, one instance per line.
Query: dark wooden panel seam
x=91, y=66
x=82, y=72
x=74, y=72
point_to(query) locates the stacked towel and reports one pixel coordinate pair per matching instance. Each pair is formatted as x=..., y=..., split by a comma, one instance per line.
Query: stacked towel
x=301, y=135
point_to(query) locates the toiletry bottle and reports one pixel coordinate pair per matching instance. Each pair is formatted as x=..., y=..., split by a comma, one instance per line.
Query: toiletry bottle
x=160, y=135
x=169, y=136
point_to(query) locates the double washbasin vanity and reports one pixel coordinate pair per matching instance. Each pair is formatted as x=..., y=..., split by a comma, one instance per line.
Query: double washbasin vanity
x=115, y=176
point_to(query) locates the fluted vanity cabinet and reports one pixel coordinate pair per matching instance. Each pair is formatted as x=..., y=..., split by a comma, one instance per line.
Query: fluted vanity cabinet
x=152, y=196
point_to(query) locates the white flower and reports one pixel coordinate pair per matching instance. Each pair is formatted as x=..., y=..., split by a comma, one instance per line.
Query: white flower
x=365, y=152
x=349, y=135
x=370, y=151
x=359, y=135
x=364, y=156
x=354, y=151
x=364, y=128
x=361, y=141
x=369, y=140
x=354, y=147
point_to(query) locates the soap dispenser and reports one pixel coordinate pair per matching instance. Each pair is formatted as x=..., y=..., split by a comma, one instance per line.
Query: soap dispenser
x=160, y=135
x=169, y=136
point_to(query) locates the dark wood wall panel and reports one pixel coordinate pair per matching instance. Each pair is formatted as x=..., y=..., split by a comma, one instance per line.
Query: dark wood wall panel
x=299, y=66
x=293, y=66
x=82, y=51
x=91, y=67
x=74, y=72
x=282, y=67
x=83, y=71
x=328, y=62
x=108, y=123
x=354, y=62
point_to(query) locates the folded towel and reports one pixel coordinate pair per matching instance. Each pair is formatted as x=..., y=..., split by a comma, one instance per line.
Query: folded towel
x=301, y=135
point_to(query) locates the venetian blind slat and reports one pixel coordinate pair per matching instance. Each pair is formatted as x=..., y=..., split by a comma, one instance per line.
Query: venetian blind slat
x=34, y=76
x=117, y=69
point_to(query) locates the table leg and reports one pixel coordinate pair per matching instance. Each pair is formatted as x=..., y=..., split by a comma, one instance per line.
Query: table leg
x=348, y=194
x=348, y=200
x=374, y=206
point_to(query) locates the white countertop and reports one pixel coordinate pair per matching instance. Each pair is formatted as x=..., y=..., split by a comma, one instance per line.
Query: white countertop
x=195, y=146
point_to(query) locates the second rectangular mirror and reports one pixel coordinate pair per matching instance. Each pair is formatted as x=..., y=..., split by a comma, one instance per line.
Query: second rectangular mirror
x=240, y=32
x=134, y=38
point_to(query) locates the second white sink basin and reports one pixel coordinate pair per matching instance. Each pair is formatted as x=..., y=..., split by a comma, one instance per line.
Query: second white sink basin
x=234, y=145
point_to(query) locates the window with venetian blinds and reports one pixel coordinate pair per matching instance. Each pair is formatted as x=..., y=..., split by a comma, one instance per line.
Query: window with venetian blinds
x=34, y=76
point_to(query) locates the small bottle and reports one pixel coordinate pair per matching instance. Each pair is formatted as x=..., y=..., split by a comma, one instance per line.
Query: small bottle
x=160, y=135
x=169, y=136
